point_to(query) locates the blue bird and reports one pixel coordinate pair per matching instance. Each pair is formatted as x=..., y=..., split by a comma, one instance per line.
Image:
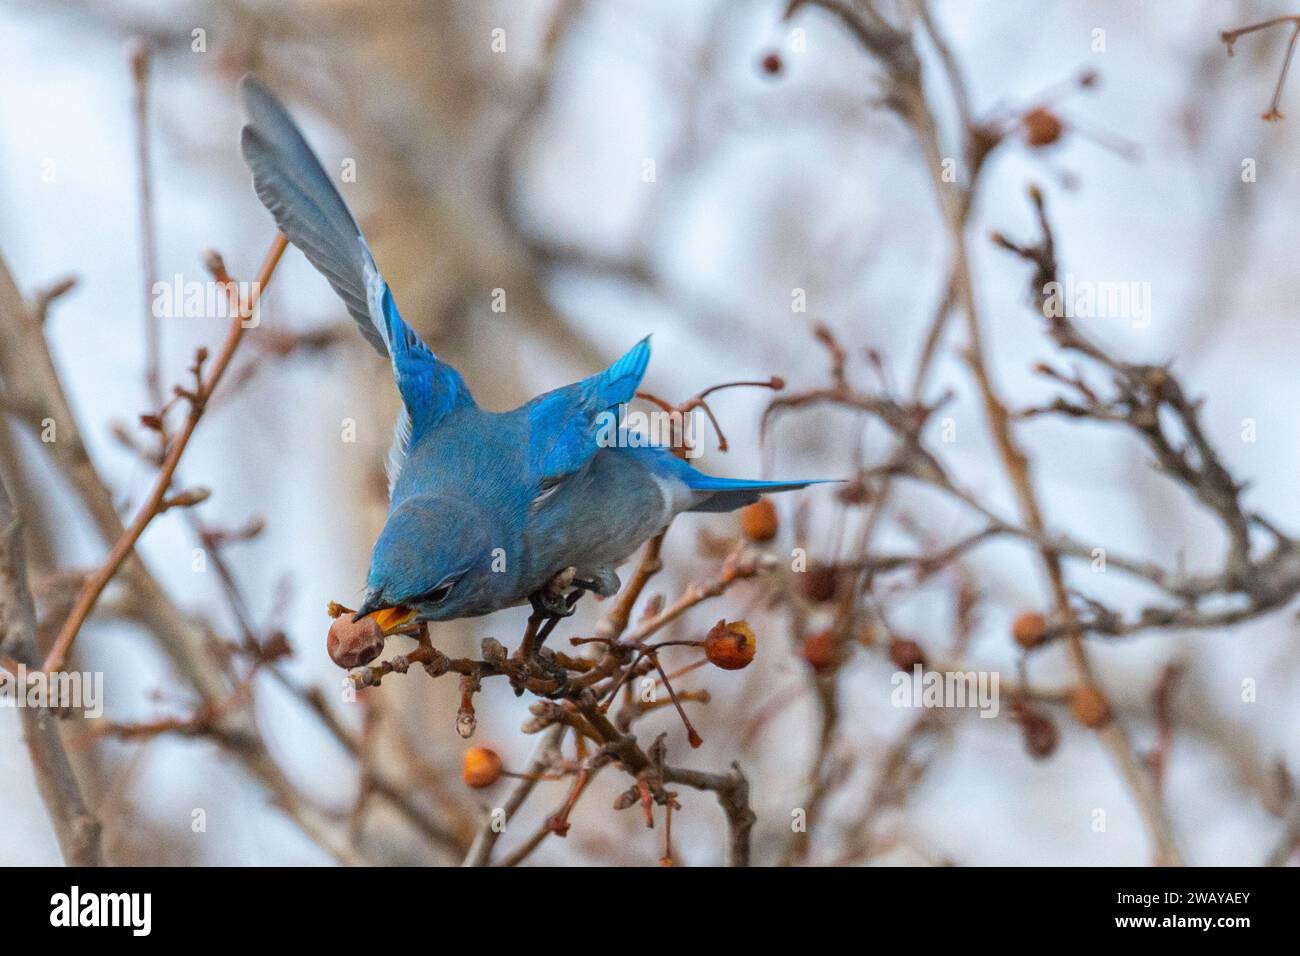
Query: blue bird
x=486, y=508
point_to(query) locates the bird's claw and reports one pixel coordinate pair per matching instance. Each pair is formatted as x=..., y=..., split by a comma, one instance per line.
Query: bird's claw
x=549, y=604
x=553, y=599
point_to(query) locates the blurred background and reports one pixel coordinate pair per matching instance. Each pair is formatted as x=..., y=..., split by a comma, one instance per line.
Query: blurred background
x=685, y=169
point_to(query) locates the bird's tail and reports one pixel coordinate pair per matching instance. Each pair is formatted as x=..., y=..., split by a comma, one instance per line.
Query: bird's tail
x=728, y=494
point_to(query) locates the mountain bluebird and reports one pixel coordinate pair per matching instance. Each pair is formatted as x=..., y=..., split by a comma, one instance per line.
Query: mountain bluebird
x=486, y=508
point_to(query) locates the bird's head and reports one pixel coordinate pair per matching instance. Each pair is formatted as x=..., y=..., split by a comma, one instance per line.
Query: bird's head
x=433, y=562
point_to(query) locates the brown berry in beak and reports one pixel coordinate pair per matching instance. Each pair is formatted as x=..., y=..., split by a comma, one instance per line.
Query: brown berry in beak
x=351, y=645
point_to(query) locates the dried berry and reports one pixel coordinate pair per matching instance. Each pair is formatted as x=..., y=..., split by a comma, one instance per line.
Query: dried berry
x=855, y=492
x=822, y=651
x=1042, y=127
x=1029, y=629
x=1090, y=707
x=481, y=767
x=906, y=653
x=772, y=63
x=351, y=645
x=730, y=645
x=1038, y=731
x=758, y=521
x=819, y=583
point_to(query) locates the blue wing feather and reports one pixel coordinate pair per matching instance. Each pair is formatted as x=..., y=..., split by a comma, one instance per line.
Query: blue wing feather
x=292, y=184
x=430, y=388
x=565, y=424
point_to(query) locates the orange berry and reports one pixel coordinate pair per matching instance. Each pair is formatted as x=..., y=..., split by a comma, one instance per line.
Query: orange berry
x=758, y=521
x=730, y=646
x=1029, y=629
x=481, y=767
x=1042, y=127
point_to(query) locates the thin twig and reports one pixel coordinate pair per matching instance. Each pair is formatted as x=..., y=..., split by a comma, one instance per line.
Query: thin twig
x=1230, y=38
x=140, y=69
x=123, y=547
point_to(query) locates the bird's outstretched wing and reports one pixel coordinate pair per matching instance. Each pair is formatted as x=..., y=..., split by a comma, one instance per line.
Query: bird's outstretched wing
x=565, y=425
x=308, y=209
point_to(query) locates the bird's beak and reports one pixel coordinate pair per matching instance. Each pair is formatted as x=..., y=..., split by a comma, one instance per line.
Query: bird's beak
x=389, y=619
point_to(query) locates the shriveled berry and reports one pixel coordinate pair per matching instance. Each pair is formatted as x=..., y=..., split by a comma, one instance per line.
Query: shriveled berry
x=353, y=644
x=906, y=653
x=822, y=651
x=855, y=492
x=1038, y=731
x=730, y=645
x=819, y=583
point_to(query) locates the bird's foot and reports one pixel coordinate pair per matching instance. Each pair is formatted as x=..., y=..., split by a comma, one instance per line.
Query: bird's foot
x=551, y=604
x=551, y=607
x=553, y=599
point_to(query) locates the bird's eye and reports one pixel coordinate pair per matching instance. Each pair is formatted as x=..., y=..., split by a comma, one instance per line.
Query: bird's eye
x=439, y=594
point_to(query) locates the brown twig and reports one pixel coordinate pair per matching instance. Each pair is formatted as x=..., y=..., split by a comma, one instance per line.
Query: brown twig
x=480, y=852
x=123, y=547
x=30, y=376
x=907, y=96
x=140, y=69
x=1230, y=38
x=76, y=828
